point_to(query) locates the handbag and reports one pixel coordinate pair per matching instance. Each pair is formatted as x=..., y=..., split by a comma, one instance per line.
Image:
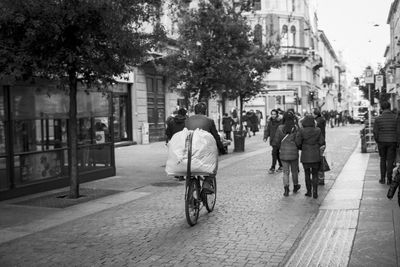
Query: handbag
x=324, y=166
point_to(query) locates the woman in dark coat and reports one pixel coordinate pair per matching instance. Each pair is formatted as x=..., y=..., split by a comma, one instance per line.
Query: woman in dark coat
x=309, y=139
x=289, y=153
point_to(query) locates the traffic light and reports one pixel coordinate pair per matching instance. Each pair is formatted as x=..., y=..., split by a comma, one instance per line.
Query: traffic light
x=356, y=80
x=278, y=99
x=311, y=96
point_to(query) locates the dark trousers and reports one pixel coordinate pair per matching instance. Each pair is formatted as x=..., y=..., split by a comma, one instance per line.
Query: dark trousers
x=387, y=153
x=311, y=169
x=228, y=135
x=275, y=157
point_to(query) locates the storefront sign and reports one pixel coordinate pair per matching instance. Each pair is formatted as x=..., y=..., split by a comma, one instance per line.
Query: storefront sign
x=390, y=82
x=281, y=92
x=369, y=76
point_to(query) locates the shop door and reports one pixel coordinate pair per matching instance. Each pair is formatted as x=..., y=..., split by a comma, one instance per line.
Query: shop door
x=156, y=108
x=121, y=117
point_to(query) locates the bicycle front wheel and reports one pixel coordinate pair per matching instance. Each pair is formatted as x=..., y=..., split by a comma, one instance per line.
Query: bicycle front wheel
x=210, y=199
x=192, y=201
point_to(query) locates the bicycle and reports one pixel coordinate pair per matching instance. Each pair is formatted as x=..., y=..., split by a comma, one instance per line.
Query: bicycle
x=195, y=197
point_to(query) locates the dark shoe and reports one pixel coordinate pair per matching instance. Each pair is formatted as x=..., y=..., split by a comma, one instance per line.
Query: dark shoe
x=296, y=188
x=389, y=181
x=272, y=170
x=286, y=193
x=382, y=181
x=308, y=194
x=315, y=194
x=208, y=187
x=279, y=169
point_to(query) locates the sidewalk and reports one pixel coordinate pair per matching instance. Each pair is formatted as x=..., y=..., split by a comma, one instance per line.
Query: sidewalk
x=356, y=224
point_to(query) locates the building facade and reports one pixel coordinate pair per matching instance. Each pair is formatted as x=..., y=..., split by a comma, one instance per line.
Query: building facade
x=290, y=23
x=392, y=55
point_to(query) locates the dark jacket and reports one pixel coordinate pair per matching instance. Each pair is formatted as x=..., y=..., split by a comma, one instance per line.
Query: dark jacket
x=309, y=139
x=287, y=143
x=321, y=123
x=174, y=125
x=385, y=127
x=270, y=130
x=227, y=123
x=398, y=130
x=253, y=119
x=202, y=122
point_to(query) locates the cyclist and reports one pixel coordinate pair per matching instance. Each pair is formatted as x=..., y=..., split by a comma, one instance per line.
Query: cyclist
x=201, y=121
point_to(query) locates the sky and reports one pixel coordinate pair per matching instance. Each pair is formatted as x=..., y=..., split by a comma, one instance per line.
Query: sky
x=349, y=26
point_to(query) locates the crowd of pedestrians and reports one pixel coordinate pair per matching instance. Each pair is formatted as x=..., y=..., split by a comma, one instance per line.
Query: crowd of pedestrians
x=290, y=134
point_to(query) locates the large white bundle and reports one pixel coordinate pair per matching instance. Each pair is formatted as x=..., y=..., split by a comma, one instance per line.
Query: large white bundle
x=204, y=153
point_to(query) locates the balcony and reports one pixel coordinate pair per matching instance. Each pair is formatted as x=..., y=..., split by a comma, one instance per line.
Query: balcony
x=294, y=53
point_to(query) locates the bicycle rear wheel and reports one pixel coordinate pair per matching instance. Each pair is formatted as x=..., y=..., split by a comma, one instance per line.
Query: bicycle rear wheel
x=210, y=199
x=192, y=200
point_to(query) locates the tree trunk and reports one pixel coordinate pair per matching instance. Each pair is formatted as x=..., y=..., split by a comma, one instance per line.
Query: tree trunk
x=73, y=138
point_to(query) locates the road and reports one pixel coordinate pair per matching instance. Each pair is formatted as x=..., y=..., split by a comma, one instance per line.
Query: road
x=253, y=223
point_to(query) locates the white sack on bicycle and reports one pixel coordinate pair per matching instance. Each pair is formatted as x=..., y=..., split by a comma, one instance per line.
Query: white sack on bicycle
x=204, y=153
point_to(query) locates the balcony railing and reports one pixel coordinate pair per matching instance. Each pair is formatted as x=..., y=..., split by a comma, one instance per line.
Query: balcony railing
x=294, y=52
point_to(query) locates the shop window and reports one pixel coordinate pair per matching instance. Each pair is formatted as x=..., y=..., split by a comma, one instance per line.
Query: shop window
x=39, y=135
x=38, y=166
x=38, y=102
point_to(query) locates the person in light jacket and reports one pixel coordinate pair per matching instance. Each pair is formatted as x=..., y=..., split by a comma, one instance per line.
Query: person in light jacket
x=289, y=153
x=310, y=140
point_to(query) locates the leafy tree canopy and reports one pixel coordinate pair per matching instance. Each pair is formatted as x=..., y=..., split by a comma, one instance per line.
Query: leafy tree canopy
x=216, y=53
x=95, y=39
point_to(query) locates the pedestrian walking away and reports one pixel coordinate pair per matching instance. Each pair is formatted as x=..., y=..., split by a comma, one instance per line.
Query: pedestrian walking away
x=321, y=124
x=269, y=132
x=288, y=150
x=386, y=136
x=310, y=140
x=175, y=124
x=227, y=124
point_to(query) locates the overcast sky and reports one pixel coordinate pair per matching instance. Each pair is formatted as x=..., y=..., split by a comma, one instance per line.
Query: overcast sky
x=349, y=25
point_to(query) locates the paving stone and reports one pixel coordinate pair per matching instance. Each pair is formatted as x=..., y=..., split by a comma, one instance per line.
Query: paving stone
x=252, y=223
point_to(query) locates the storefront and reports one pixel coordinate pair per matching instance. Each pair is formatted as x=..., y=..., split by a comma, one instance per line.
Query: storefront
x=34, y=150
x=122, y=112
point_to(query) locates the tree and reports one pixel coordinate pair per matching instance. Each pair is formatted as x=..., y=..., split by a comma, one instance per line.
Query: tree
x=216, y=54
x=72, y=41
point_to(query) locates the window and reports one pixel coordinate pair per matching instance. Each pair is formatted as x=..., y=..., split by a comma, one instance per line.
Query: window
x=258, y=35
x=290, y=72
x=256, y=4
x=284, y=29
x=293, y=32
x=284, y=36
